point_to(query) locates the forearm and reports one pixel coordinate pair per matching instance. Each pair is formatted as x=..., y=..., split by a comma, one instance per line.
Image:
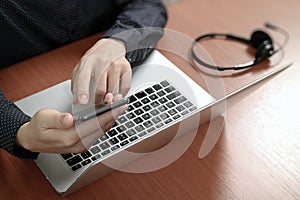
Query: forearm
x=11, y=119
x=140, y=25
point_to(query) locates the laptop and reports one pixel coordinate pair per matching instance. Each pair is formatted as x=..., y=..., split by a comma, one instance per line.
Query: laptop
x=161, y=97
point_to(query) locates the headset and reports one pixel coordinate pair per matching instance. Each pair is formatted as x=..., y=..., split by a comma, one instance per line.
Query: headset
x=259, y=39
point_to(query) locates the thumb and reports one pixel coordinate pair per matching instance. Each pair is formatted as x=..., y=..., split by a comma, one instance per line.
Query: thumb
x=65, y=121
x=54, y=120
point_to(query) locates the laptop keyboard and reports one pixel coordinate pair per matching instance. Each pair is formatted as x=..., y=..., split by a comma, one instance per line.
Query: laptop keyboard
x=148, y=110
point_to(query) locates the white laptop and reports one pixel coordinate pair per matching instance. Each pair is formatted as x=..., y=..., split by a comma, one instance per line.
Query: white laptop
x=161, y=97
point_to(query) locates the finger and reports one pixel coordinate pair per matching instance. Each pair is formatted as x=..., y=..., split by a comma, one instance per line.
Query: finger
x=113, y=81
x=125, y=82
x=126, y=77
x=82, y=81
x=108, y=98
x=100, y=86
x=117, y=97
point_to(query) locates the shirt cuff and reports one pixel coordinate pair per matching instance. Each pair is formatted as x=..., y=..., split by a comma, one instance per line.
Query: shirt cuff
x=138, y=42
x=12, y=118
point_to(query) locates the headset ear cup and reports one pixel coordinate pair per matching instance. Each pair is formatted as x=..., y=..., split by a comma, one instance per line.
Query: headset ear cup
x=258, y=38
x=264, y=51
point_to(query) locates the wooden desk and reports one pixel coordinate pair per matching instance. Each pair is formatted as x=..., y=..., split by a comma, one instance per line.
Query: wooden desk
x=258, y=153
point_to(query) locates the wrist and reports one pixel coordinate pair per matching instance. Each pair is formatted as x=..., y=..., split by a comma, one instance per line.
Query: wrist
x=117, y=43
x=21, y=136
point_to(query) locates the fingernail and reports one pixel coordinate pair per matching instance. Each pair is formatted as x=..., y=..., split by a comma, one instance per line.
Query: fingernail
x=83, y=99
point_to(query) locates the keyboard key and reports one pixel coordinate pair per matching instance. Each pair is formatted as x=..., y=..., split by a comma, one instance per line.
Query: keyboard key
x=150, y=130
x=113, y=141
x=121, y=128
x=138, y=120
x=74, y=160
x=130, y=108
x=96, y=157
x=112, y=132
x=140, y=95
x=146, y=116
x=156, y=120
x=86, y=155
x=103, y=137
x=142, y=134
x=132, y=99
x=148, y=124
x=161, y=93
x=138, y=111
x=95, y=150
x=139, y=128
x=130, y=116
x=170, y=104
x=137, y=104
x=157, y=87
x=170, y=89
x=180, y=100
x=159, y=125
x=168, y=121
x=163, y=100
x=180, y=108
x=122, y=120
x=149, y=90
x=172, y=112
x=124, y=143
x=131, y=132
x=76, y=167
x=104, y=153
x=188, y=104
x=104, y=145
x=129, y=124
x=164, y=115
x=86, y=162
x=154, y=104
x=122, y=136
x=171, y=96
x=153, y=97
x=145, y=100
x=184, y=112
x=66, y=156
x=165, y=83
x=115, y=147
x=162, y=108
x=176, y=117
x=192, y=108
x=133, y=138
x=146, y=108
x=154, y=112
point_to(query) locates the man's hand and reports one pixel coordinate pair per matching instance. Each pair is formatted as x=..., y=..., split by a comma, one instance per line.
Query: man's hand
x=54, y=132
x=106, y=64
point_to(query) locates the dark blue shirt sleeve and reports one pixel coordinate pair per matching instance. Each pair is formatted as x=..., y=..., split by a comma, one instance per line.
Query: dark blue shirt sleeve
x=140, y=25
x=11, y=119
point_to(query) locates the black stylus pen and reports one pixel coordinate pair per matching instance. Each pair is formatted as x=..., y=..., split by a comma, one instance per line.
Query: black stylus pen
x=96, y=111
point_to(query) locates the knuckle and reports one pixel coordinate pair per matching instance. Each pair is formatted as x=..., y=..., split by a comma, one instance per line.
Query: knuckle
x=80, y=149
x=100, y=90
x=71, y=141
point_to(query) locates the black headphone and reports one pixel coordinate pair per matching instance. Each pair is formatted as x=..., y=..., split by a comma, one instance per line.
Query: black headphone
x=260, y=40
